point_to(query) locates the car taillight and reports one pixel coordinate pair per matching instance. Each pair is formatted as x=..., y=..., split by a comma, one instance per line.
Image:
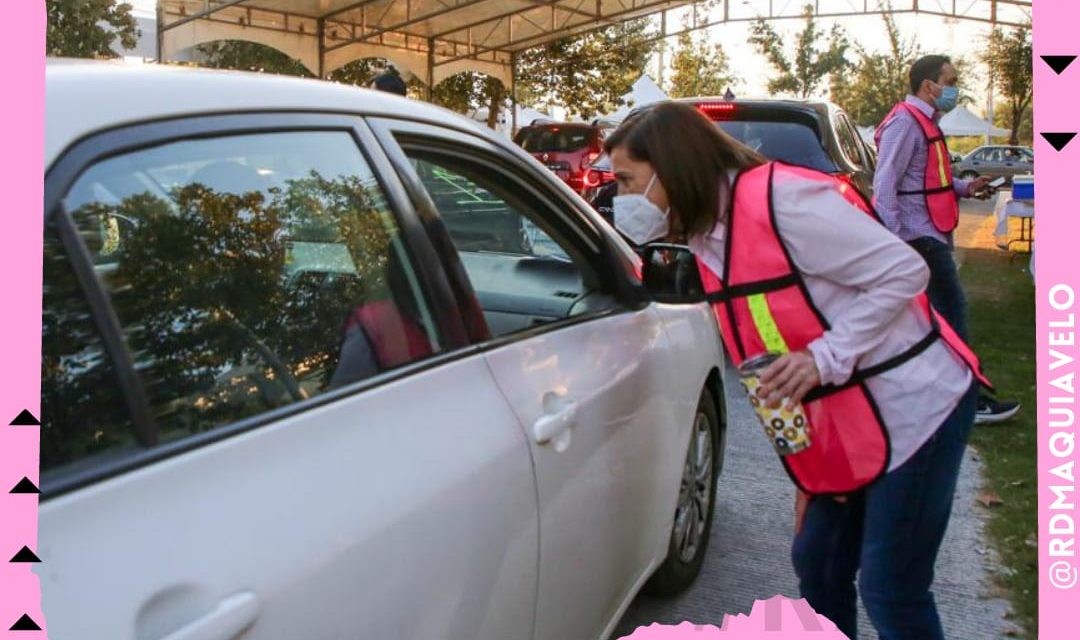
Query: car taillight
x=717, y=110
x=596, y=178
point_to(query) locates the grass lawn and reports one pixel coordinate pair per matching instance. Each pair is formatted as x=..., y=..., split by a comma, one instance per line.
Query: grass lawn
x=1001, y=311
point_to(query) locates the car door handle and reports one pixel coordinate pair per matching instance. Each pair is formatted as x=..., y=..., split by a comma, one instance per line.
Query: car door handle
x=229, y=619
x=548, y=426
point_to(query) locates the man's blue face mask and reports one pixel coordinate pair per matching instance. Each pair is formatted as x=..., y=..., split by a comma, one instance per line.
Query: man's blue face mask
x=948, y=98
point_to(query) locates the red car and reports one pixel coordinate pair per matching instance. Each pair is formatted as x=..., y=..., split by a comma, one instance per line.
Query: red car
x=567, y=149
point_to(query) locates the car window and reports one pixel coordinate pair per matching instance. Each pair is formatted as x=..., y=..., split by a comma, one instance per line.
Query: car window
x=849, y=141
x=524, y=274
x=556, y=139
x=980, y=155
x=791, y=142
x=250, y=272
x=83, y=414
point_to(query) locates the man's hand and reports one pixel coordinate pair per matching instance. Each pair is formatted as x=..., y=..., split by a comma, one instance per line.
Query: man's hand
x=978, y=188
x=791, y=377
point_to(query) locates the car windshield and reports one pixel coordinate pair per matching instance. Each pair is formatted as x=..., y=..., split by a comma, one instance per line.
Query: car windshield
x=787, y=141
x=555, y=139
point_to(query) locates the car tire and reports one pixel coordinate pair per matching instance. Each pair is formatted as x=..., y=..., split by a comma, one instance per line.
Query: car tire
x=683, y=562
x=968, y=175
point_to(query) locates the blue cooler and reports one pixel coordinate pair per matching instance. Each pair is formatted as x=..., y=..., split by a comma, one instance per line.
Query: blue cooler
x=1023, y=188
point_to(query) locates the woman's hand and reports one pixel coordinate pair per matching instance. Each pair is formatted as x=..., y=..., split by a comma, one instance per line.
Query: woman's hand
x=790, y=377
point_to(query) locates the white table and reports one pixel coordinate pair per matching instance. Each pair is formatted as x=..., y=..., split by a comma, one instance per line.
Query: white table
x=1006, y=208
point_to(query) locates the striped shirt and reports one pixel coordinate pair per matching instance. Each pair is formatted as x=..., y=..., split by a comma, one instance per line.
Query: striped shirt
x=902, y=155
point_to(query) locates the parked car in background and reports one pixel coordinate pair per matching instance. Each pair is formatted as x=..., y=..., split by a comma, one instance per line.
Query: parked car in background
x=996, y=161
x=566, y=148
x=813, y=134
x=323, y=362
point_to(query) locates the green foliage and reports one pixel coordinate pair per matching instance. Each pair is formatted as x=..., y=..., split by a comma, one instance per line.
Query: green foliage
x=1008, y=59
x=870, y=88
x=699, y=69
x=815, y=58
x=88, y=28
x=588, y=73
x=250, y=56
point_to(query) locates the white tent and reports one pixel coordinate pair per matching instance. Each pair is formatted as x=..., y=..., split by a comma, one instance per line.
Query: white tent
x=961, y=122
x=525, y=117
x=644, y=91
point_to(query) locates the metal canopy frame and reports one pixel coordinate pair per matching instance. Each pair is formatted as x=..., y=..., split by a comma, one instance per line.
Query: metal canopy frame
x=434, y=39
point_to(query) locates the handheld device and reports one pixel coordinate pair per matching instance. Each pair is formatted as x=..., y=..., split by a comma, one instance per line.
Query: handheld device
x=994, y=184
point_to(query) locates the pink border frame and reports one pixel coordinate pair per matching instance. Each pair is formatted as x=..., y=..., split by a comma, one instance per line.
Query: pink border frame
x=23, y=46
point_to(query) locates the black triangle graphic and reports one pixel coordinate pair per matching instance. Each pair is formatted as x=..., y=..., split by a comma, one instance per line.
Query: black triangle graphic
x=1058, y=63
x=1058, y=140
x=25, y=555
x=25, y=419
x=25, y=623
x=25, y=486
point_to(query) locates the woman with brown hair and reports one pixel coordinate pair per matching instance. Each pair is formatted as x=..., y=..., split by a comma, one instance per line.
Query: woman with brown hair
x=796, y=263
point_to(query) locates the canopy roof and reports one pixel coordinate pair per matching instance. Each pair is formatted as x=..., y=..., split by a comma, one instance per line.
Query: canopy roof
x=434, y=39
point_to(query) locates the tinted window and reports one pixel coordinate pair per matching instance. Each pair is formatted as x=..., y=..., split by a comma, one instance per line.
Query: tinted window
x=250, y=272
x=792, y=142
x=555, y=139
x=82, y=407
x=523, y=272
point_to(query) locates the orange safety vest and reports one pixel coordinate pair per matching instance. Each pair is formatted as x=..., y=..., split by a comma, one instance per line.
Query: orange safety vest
x=762, y=304
x=937, y=188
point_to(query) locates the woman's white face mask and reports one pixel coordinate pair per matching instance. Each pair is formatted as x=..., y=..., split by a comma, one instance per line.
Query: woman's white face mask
x=638, y=218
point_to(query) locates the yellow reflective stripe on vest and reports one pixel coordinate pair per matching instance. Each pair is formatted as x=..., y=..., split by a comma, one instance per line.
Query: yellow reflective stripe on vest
x=766, y=324
x=941, y=153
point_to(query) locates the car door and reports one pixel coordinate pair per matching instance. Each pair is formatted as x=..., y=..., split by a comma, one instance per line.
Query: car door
x=241, y=317
x=587, y=376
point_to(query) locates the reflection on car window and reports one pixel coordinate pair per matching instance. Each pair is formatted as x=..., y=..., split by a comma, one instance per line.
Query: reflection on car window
x=522, y=274
x=82, y=407
x=250, y=272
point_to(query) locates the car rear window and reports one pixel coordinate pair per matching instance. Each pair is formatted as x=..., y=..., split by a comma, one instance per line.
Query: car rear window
x=555, y=139
x=788, y=137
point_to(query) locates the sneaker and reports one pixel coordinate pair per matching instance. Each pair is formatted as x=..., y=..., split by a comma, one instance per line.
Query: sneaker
x=990, y=411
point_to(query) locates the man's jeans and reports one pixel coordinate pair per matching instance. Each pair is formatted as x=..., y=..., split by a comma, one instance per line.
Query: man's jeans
x=890, y=534
x=944, y=290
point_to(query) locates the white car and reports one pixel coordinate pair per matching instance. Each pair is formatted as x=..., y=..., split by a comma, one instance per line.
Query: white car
x=325, y=363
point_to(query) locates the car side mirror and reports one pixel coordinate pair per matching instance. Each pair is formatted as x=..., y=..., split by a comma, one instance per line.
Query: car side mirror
x=670, y=274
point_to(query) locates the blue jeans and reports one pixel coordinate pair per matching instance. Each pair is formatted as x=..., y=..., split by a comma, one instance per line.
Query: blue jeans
x=944, y=290
x=889, y=534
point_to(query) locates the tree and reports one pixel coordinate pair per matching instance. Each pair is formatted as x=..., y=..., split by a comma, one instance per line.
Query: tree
x=250, y=56
x=878, y=80
x=1008, y=58
x=699, y=69
x=470, y=90
x=814, y=59
x=88, y=28
x=588, y=73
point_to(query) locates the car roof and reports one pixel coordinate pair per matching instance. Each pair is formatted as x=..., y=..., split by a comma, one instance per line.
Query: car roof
x=84, y=97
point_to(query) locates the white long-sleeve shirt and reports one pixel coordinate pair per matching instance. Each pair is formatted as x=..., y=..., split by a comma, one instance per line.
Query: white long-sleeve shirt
x=864, y=281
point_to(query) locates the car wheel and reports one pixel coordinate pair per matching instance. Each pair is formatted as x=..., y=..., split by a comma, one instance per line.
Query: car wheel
x=692, y=523
x=969, y=175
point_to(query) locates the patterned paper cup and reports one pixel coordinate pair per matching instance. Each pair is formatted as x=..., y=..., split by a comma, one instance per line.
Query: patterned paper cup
x=788, y=431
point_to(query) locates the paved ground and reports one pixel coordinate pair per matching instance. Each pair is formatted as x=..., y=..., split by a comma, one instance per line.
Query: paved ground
x=749, y=550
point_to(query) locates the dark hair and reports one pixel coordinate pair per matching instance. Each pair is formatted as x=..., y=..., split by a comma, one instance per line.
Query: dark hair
x=390, y=82
x=690, y=155
x=926, y=68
